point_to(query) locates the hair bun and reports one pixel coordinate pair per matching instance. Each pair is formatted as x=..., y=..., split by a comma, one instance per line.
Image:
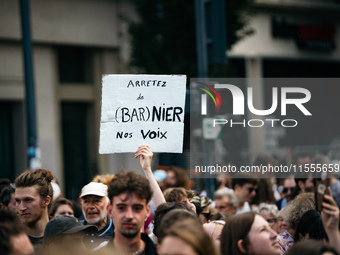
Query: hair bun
x=47, y=174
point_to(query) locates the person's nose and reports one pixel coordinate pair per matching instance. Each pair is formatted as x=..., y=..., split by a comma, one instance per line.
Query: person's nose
x=90, y=205
x=22, y=206
x=129, y=213
x=273, y=234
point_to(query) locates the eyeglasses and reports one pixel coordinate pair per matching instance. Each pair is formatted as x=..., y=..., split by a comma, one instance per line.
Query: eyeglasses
x=280, y=219
x=252, y=189
x=271, y=221
x=285, y=190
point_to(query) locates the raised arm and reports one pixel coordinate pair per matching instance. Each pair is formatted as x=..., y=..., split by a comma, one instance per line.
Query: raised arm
x=145, y=154
x=330, y=220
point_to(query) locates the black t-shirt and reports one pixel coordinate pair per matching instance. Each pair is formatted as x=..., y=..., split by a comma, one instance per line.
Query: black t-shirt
x=150, y=248
x=36, y=242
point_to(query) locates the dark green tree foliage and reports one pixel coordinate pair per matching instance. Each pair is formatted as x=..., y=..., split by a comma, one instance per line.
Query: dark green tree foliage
x=164, y=42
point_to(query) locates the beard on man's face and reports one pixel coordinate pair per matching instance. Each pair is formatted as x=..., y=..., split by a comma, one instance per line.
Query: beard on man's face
x=130, y=235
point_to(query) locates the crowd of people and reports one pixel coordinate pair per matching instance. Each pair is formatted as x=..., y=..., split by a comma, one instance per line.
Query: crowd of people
x=159, y=213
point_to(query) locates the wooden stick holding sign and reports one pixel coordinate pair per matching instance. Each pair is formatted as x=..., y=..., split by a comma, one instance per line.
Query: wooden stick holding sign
x=142, y=109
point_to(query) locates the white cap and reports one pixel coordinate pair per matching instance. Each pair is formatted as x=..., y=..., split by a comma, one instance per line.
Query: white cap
x=56, y=190
x=94, y=188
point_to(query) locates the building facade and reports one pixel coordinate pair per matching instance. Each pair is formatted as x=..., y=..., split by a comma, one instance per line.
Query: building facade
x=74, y=43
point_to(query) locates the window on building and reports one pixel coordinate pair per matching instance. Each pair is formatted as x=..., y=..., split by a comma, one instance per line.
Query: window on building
x=75, y=65
x=79, y=159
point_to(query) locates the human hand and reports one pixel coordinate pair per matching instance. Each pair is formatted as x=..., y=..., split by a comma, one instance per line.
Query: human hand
x=145, y=154
x=330, y=214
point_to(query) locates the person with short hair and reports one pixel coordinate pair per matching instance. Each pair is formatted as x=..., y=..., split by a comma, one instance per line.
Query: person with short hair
x=225, y=201
x=245, y=187
x=33, y=196
x=7, y=198
x=94, y=201
x=270, y=213
x=129, y=195
x=179, y=194
x=287, y=189
x=161, y=211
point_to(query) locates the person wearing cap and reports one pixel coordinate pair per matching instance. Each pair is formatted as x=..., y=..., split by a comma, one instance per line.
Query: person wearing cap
x=94, y=201
x=66, y=231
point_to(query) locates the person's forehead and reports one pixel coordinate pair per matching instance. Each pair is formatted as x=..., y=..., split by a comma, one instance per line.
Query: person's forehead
x=289, y=183
x=170, y=173
x=248, y=185
x=64, y=207
x=259, y=222
x=89, y=197
x=31, y=191
x=265, y=214
x=130, y=197
x=224, y=199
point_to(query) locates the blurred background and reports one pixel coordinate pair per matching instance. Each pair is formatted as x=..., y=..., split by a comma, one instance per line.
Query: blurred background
x=74, y=42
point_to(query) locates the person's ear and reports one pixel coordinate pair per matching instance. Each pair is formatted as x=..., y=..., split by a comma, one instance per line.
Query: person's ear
x=47, y=201
x=301, y=185
x=233, y=210
x=109, y=210
x=240, y=246
x=148, y=210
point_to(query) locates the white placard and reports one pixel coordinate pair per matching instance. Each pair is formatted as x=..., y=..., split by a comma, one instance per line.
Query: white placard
x=142, y=109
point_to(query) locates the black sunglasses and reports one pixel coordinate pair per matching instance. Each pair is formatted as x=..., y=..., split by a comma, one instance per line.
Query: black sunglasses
x=253, y=189
x=285, y=190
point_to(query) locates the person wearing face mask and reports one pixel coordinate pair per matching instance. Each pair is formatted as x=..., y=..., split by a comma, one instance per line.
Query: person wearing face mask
x=248, y=233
